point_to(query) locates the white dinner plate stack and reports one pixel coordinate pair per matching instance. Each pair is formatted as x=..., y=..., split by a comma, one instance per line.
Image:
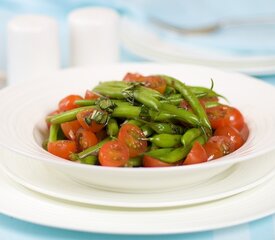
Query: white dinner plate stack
x=45, y=189
x=150, y=44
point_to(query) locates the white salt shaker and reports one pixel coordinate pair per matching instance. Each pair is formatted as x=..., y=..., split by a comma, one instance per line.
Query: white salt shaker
x=94, y=37
x=33, y=47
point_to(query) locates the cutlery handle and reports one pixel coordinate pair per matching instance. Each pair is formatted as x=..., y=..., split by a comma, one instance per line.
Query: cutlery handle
x=247, y=21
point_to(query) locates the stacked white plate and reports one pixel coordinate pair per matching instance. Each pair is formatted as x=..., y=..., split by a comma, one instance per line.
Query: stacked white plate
x=43, y=189
x=149, y=44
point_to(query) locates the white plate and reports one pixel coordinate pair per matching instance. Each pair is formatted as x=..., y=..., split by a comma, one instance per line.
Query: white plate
x=18, y=202
x=150, y=45
x=22, y=124
x=35, y=176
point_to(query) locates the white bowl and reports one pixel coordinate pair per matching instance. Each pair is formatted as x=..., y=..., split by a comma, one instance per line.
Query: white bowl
x=25, y=106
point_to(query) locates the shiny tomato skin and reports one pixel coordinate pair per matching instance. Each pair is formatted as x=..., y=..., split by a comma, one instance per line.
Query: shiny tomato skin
x=224, y=115
x=153, y=162
x=232, y=133
x=68, y=103
x=85, y=139
x=218, y=146
x=196, y=155
x=94, y=127
x=133, y=137
x=70, y=128
x=62, y=148
x=154, y=82
x=113, y=154
x=90, y=95
x=245, y=132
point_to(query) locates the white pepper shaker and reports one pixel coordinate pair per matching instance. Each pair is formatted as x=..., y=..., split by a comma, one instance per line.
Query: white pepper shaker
x=94, y=37
x=33, y=47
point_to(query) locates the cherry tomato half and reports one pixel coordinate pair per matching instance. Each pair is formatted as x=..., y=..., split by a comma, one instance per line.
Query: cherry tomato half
x=232, y=133
x=153, y=162
x=245, y=132
x=70, y=128
x=89, y=95
x=196, y=155
x=86, y=123
x=62, y=148
x=132, y=136
x=113, y=154
x=223, y=115
x=68, y=102
x=85, y=138
x=154, y=82
x=218, y=146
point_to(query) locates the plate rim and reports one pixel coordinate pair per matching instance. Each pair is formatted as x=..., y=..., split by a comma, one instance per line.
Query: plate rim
x=12, y=188
x=45, y=189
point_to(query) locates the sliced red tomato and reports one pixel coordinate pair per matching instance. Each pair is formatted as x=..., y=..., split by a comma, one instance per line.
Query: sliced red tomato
x=244, y=132
x=218, y=146
x=89, y=95
x=113, y=154
x=62, y=148
x=154, y=82
x=223, y=115
x=153, y=162
x=232, y=133
x=83, y=118
x=196, y=155
x=68, y=102
x=85, y=138
x=70, y=128
x=133, y=137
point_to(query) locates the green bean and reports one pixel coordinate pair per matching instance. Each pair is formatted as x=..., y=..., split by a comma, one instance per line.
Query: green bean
x=135, y=122
x=179, y=154
x=146, y=99
x=112, y=128
x=211, y=104
x=169, y=128
x=126, y=112
x=181, y=114
x=165, y=140
x=89, y=151
x=169, y=91
x=190, y=135
x=116, y=84
x=134, y=162
x=157, y=153
x=85, y=102
x=54, y=128
x=125, y=85
x=66, y=116
x=201, y=139
x=112, y=92
x=203, y=91
x=175, y=155
x=147, y=131
x=192, y=100
x=91, y=160
x=174, y=97
x=161, y=116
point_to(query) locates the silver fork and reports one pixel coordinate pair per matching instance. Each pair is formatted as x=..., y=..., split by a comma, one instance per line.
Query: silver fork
x=211, y=28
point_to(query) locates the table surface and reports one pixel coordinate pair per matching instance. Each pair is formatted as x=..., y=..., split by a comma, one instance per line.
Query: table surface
x=262, y=229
